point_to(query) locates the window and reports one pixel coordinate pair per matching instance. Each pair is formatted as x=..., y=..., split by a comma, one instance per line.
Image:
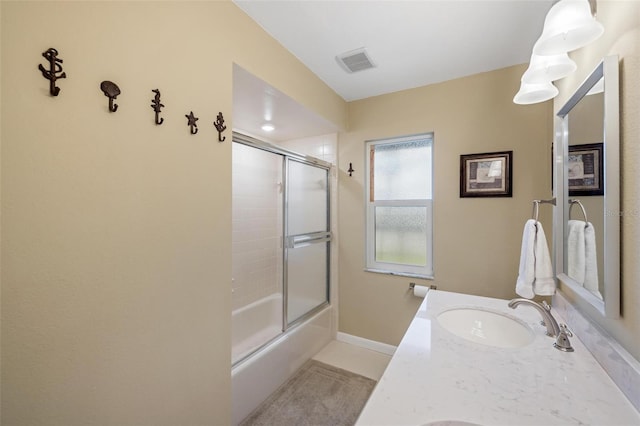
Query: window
x=400, y=205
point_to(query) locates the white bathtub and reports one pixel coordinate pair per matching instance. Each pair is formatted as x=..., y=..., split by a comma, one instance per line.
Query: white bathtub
x=255, y=324
x=256, y=377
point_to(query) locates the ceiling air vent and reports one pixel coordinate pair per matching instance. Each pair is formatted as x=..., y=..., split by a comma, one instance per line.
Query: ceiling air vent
x=355, y=60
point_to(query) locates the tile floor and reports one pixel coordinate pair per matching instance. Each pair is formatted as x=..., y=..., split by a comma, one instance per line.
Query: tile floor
x=366, y=362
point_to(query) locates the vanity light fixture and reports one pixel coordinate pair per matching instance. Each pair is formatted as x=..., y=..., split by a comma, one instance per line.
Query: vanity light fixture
x=569, y=25
x=532, y=93
x=268, y=127
x=543, y=69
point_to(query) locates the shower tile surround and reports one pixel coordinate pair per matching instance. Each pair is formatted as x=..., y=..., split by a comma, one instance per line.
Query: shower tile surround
x=257, y=257
x=323, y=147
x=437, y=376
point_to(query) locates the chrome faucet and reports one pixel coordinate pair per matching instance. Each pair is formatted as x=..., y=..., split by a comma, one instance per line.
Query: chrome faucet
x=553, y=329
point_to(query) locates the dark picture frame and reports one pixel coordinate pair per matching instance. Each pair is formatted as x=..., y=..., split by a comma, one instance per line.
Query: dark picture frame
x=585, y=169
x=486, y=175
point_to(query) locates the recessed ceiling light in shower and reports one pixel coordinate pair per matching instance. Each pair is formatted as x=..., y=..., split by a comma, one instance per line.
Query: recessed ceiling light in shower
x=268, y=127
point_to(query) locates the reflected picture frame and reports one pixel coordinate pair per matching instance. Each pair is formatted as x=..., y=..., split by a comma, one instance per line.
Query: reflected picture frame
x=486, y=175
x=585, y=169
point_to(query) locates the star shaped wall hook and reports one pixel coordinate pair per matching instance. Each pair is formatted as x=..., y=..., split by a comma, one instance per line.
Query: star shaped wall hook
x=192, y=123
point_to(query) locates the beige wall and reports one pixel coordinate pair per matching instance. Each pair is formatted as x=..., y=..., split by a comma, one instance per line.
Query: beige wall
x=621, y=20
x=476, y=241
x=116, y=260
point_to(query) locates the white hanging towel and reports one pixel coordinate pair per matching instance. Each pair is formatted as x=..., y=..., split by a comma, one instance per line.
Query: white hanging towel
x=535, y=273
x=582, y=259
x=526, y=275
x=591, y=261
x=576, y=251
x=544, y=283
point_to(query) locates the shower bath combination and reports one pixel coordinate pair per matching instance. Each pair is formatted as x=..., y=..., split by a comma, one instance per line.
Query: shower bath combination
x=281, y=267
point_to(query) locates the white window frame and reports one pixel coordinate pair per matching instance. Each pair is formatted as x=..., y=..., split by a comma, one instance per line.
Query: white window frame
x=370, y=241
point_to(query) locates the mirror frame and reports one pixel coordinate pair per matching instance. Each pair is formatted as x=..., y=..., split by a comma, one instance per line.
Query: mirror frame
x=608, y=70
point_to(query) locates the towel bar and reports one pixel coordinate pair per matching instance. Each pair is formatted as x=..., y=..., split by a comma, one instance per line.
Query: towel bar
x=584, y=212
x=536, y=207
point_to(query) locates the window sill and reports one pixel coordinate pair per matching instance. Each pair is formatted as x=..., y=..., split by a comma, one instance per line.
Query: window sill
x=400, y=274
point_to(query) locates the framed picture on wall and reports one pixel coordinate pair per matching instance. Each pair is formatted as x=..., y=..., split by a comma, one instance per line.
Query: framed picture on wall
x=486, y=175
x=585, y=169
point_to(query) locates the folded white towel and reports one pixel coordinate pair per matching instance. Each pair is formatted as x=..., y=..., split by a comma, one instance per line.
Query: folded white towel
x=591, y=261
x=535, y=273
x=576, y=250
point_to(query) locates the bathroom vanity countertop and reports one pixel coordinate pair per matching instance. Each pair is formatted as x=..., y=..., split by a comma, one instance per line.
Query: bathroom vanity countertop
x=435, y=375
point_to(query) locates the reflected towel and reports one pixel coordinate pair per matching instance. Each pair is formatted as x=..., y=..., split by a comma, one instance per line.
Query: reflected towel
x=582, y=259
x=576, y=251
x=535, y=273
x=591, y=260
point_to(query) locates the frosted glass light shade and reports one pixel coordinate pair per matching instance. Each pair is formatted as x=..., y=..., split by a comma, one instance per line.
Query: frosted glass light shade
x=534, y=93
x=568, y=26
x=548, y=68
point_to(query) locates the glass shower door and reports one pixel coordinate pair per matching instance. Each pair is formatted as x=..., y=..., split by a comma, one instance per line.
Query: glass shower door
x=307, y=237
x=257, y=230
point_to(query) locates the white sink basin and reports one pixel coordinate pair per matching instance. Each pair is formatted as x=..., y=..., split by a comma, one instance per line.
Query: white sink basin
x=487, y=327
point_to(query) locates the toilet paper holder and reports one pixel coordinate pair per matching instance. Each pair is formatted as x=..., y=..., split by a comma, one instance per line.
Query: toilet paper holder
x=431, y=287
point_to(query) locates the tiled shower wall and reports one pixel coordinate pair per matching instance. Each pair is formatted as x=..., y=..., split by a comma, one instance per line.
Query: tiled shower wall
x=257, y=229
x=323, y=147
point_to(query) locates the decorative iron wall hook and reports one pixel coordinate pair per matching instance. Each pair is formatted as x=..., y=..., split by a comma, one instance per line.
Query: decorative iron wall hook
x=110, y=90
x=220, y=127
x=156, y=105
x=350, y=169
x=51, y=55
x=192, y=123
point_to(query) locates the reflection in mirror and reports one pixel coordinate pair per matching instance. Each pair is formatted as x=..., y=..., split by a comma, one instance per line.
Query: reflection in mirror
x=584, y=232
x=587, y=255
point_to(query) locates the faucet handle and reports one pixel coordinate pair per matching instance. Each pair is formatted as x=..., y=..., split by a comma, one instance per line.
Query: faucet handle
x=562, y=341
x=565, y=328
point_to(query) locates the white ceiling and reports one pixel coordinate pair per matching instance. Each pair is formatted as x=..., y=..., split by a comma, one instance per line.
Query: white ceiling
x=412, y=43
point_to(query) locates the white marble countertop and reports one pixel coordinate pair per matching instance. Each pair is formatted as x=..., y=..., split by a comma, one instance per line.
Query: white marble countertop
x=435, y=375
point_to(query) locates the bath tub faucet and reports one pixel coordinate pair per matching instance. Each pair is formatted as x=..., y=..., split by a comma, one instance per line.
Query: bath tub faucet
x=553, y=329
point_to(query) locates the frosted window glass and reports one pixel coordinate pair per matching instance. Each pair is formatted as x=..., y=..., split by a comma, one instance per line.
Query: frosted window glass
x=401, y=171
x=401, y=235
x=400, y=208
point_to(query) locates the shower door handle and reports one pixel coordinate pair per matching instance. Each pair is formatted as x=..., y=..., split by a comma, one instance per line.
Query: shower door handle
x=296, y=241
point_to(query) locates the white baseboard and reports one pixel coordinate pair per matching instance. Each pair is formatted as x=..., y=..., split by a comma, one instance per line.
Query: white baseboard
x=366, y=343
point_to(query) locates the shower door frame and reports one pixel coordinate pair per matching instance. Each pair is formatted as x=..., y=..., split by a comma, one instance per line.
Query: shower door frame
x=290, y=242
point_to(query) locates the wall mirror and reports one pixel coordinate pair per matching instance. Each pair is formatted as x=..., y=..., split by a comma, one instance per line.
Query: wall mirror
x=587, y=217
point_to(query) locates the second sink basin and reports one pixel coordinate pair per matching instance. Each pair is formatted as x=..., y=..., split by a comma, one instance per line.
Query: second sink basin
x=486, y=327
